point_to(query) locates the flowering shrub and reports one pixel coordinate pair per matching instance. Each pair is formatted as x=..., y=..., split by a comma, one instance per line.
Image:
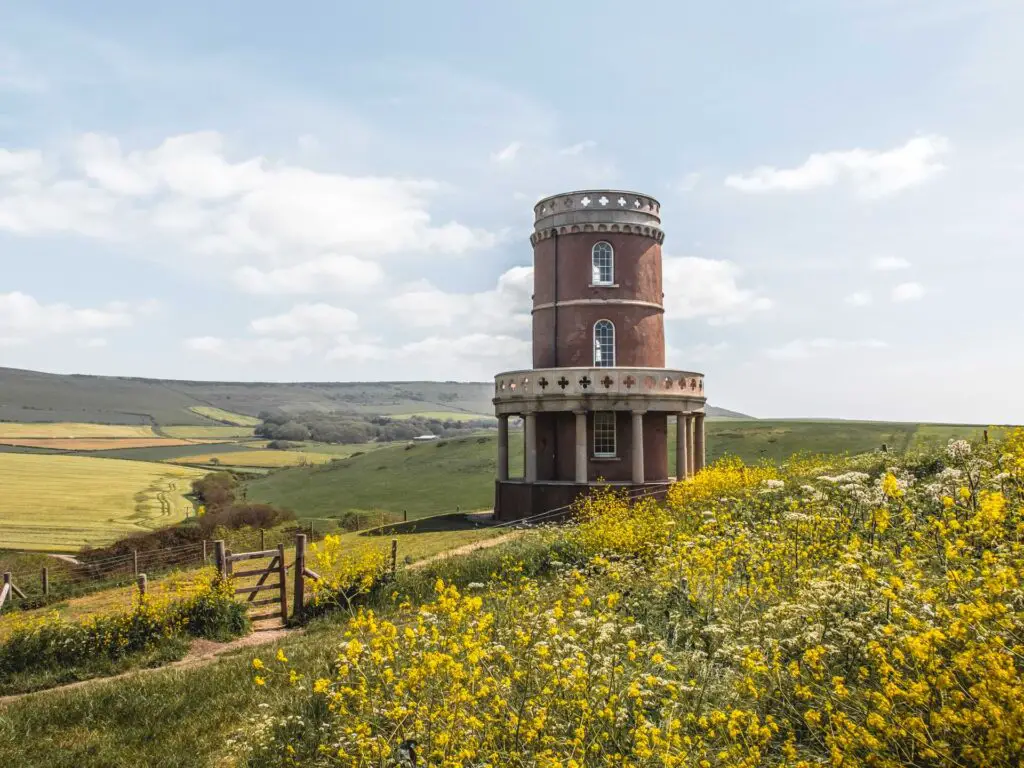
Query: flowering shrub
x=49, y=642
x=845, y=613
x=343, y=574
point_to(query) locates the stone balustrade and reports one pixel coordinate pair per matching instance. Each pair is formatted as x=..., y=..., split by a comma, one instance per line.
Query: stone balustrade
x=550, y=385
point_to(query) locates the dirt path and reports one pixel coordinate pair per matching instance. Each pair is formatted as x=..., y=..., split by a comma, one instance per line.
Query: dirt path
x=204, y=652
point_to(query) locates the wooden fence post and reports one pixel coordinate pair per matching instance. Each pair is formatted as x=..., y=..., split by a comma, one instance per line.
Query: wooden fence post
x=300, y=578
x=143, y=583
x=135, y=561
x=986, y=436
x=46, y=581
x=263, y=540
x=221, y=557
x=405, y=515
x=204, y=551
x=394, y=556
x=282, y=570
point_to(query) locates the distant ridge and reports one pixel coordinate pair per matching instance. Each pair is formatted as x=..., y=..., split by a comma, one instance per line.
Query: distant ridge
x=41, y=397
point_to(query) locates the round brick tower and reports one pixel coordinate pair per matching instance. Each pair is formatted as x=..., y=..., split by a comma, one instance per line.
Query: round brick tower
x=596, y=404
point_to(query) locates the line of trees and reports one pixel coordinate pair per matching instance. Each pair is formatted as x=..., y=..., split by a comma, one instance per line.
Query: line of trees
x=343, y=427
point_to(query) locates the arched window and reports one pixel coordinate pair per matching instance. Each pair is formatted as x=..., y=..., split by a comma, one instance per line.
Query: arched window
x=604, y=344
x=603, y=260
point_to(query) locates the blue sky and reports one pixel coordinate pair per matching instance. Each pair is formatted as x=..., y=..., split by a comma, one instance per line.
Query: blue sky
x=344, y=191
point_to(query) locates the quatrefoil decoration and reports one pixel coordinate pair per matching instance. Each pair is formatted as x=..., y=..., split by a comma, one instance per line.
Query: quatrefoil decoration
x=693, y=383
x=701, y=385
x=584, y=381
x=607, y=381
x=622, y=202
x=563, y=382
x=636, y=203
x=585, y=201
x=629, y=381
x=542, y=382
x=603, y=200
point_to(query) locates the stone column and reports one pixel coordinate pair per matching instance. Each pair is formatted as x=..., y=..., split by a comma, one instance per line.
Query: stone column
x=681, y=446
x=698, y=442
x=503, y=447
x=530, y=446
x=581, y=446
x=688, y=439
x=638, y=446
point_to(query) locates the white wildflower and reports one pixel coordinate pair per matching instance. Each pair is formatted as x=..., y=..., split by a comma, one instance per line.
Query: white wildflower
x=958, y=450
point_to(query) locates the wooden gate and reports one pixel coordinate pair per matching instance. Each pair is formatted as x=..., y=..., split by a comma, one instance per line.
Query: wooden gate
x=276, y=571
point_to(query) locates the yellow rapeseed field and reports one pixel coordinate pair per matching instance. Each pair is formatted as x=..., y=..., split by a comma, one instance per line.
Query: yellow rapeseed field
x=842, y=612
x=61, y=503
x=264, y=458
x=73, y=429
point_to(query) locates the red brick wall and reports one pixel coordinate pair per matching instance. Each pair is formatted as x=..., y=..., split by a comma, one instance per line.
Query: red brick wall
x=640, y=332
x=556, y=448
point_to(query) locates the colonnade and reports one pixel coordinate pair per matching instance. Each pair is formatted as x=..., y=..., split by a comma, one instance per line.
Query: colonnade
x=690, y=450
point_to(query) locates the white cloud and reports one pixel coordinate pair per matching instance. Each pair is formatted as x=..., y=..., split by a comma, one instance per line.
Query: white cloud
x=475, y=356
x=97, y=342
x=188, y=188
x=872, y=173
x=799, y=349
x=504, y=309
x=908, y=292
x=697, y=287
x=697, y=353
x=328, y=274
x=348, y=350
x=23, y=316
x=264, y=350
x=579, y=148
x=312, y=319
x=18, y=162
x=507, y=154
x=889, y=264
x=858, y=299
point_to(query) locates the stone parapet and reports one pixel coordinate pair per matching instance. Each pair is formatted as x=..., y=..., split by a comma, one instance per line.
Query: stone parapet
x=600, y=210
x=551, y=389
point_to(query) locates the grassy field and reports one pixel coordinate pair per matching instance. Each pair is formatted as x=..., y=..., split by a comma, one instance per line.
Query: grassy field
x=228, y=417
x=421, y=478
x=209, y=432
x=424, y=479
x=73, y=430
x=97, y=443
x=261, y=458
x=61, y=503
x=444, y=415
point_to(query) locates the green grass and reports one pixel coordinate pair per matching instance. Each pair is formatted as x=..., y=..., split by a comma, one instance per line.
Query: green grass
x=444, y=415
x=183, y=717
x=423, y=478
x=61, y=503
x=228, y=417
x=430, y=478
x=207, y=432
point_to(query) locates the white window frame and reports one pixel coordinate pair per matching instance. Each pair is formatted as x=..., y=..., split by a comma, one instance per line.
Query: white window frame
x=595, y=270
x=601, y=427
x=597, y=347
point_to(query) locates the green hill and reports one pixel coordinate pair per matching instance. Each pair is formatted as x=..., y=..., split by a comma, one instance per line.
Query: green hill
x=31, y=396
x=429, y=478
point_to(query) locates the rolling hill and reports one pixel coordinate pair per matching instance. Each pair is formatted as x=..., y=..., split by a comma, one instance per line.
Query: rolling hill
x=31, y=396
x=420, y=478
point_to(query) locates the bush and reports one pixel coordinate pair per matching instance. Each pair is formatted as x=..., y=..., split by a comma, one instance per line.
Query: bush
x=36, y=644
x=242, y=515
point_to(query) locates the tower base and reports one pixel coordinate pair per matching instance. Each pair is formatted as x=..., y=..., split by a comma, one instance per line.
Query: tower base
x=518, y=500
